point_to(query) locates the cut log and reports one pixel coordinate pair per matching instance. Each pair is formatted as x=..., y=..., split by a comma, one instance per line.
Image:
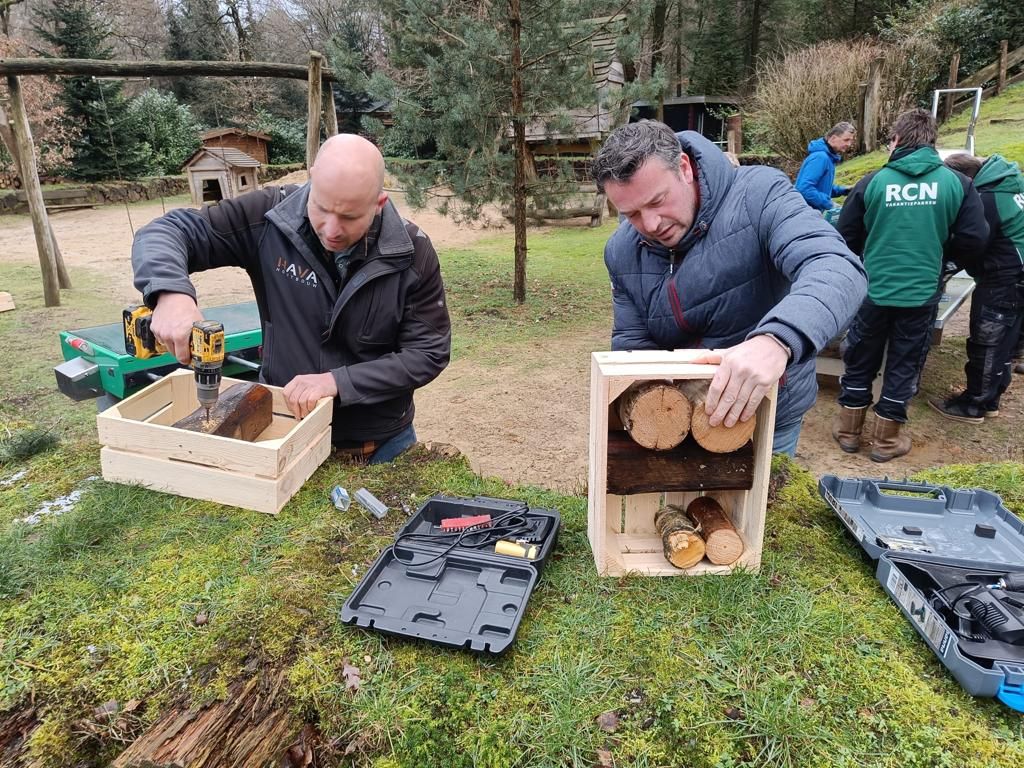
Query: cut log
x=6, y=301
x=242, y=412
x=720, y=439
x=683, y=546
x=723, y=544
x=655, y=414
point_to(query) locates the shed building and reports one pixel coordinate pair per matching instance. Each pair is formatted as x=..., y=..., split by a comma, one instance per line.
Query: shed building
x=220, y=173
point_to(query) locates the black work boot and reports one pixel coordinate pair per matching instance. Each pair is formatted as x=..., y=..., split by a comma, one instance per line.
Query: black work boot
x=847, y=426
x=957, y=409
x=889, y=441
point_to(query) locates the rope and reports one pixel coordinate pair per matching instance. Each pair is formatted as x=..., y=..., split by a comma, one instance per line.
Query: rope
x=113, y=151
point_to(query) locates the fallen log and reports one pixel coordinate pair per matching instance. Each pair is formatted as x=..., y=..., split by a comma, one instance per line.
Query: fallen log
x=242, y=412
x=252, y=726
x=720, y=439
x=722, y=543
x=656, y=414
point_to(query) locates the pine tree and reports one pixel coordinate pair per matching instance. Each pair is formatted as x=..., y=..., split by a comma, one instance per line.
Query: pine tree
x=195, y=32
x=108, y=146
x=470, y=77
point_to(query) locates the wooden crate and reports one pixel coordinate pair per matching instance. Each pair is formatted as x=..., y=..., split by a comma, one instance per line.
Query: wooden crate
x=627, y=483
x=141, y=448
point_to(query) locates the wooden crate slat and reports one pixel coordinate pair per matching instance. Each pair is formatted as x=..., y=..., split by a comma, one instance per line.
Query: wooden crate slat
x=260, y=494
x=640, y=510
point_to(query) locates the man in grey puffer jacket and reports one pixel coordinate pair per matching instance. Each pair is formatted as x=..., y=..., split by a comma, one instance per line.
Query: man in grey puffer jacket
x=728, y=259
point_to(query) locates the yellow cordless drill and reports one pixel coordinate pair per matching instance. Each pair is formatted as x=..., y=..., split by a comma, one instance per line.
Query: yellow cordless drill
x=206, y=345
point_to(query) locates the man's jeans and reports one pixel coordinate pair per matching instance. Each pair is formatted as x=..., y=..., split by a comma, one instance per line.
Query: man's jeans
x=786, y=436
x=397, y=445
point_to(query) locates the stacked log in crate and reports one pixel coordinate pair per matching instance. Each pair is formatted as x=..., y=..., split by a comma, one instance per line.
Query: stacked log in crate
x=629, y=484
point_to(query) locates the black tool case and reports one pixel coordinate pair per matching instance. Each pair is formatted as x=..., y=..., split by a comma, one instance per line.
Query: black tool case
x=941, y=553
x=468, y=597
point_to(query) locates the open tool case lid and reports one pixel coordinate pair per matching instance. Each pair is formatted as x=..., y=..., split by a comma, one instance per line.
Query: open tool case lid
x=941, y=553
x=466, y=596
x=928, y=522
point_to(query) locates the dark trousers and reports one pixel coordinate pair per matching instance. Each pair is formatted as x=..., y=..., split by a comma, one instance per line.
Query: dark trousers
x=906, y=334
x=995, y=327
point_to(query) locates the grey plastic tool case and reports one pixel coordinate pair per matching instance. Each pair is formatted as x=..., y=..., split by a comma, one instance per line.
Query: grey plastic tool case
x=925, y=538
x=469, y=598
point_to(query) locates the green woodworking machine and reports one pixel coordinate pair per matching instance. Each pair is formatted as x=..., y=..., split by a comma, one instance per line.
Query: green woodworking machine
x=96, y=364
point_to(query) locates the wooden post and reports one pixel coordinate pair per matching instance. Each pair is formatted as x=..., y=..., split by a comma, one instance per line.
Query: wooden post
x=872, y=104
x=734, y=134
x=954, y=68
x=862, y=92
x=315, y=103
x=330, y=111
x=7, y=136
x=1003, y=53
x=36, y=207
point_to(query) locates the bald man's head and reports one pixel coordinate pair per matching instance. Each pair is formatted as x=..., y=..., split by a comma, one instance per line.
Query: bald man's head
x=346, y=190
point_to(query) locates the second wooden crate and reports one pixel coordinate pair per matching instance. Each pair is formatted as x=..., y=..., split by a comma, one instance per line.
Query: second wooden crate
x=628, y=484
x=140, y=447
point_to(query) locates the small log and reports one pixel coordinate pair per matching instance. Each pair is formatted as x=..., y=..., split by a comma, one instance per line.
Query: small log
x=720, y=439
x=242, y=412
x=723, y=544
x=6, y=301
x=656, y=414
x=682, y=545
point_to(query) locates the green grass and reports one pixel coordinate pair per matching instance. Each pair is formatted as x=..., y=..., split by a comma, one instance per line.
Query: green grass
x=567, y=290
x=1007, y=139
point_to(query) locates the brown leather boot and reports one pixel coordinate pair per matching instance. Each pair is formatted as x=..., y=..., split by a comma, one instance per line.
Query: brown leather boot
x=890, y=441
x=847, y=426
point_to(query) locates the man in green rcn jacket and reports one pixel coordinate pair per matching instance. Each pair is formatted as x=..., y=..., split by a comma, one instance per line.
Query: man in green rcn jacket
x=997, y=306
x=903, y=220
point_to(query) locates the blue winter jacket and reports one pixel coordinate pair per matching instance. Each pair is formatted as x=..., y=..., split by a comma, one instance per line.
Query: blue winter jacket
x=816, y=180
x=757, y=260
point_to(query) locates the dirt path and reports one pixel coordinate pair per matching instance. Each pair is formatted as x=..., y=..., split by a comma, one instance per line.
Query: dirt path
x=526, y=420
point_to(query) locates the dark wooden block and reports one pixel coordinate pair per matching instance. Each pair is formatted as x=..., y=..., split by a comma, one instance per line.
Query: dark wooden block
x=687, y=467
x=242, y=412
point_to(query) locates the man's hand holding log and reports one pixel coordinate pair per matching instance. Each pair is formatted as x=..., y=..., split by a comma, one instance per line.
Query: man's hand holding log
x=746, y=372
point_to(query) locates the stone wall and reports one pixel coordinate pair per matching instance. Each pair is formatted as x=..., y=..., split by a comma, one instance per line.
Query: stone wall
x=99, y=194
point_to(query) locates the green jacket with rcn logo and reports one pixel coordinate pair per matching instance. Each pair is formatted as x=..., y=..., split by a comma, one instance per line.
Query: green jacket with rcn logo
x=905, y=218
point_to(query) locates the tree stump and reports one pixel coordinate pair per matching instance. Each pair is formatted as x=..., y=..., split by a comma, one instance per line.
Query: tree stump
x=242, y=412
x=722, y=543
x=683, y=546
x=655, y=414
x=720, y=439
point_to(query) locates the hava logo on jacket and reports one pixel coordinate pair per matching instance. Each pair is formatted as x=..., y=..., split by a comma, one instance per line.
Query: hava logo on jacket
x=911, y=194
x=304, y=275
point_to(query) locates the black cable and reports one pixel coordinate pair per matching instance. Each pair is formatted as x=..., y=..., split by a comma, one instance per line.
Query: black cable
x=508, y=525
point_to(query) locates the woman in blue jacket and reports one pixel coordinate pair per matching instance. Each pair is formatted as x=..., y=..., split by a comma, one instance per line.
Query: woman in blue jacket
x=816, y=180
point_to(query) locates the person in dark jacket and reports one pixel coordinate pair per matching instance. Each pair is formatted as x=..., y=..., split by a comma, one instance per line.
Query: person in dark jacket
x=727, y=259
x=997, y=304
x=903, y=220
x=816, y=179
x=350, y=295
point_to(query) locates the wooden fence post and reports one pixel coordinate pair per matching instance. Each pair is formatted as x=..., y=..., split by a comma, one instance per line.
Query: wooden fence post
x=872, y=104
x=34, y=193
x=330, y=112
x=954, y=69
x=315, y=103
x=734, y=134
x=1003, y=53
x=7, y=137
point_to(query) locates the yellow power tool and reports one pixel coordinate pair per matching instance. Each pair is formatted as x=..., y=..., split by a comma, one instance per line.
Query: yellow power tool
x=206, y=346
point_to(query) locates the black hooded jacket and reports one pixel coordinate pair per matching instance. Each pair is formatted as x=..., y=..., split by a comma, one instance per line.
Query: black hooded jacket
x=386, y=333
